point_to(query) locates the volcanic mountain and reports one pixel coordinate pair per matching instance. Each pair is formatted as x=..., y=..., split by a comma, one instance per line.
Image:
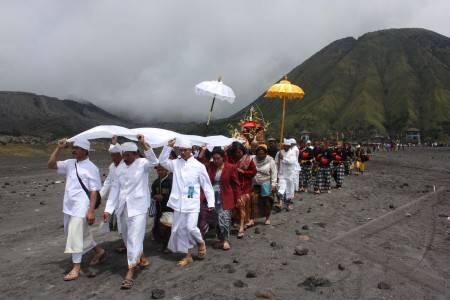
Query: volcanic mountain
x=381, y=83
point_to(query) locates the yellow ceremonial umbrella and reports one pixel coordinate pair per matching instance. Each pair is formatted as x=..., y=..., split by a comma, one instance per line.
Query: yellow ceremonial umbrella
x=284, y=90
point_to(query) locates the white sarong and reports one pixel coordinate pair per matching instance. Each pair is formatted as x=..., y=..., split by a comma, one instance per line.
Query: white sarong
x=286, y=187
x=185, y=233
x=79, y=237
x=132, y=230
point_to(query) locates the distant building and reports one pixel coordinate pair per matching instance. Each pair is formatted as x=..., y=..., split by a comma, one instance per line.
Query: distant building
x=305, y=135
x=413, y=136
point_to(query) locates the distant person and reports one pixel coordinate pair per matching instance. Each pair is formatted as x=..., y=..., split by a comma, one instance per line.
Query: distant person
x=286, y=160
x=80, y=196
x=161, y=189
x=189, y=175
x=237, y=155
x=295, y=149
x=272, y=147
x=338, y=165
x=130, y=199
x=323, y=177
x=347, y=155
x=306, y=164
x=264, y=185
x=116, y=156
x=360, y=160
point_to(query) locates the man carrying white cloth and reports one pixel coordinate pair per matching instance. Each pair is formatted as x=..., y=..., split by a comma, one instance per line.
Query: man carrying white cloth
x=189, y=175
x=82, y=184
x=129, y=198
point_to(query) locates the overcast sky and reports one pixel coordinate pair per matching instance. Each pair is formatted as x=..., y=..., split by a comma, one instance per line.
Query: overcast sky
x=143, y=58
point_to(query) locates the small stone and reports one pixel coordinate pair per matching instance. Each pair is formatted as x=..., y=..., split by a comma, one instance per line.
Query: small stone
x=42, y=203
x=235, y=260
x=6, y=183
x=341, y=267
x=284, y=263
x=321, y=204
x=273, y=244
x=251, y=274
x=305, y=227
x=443, y=215
x=408, y=215
x=383, y=286
x=298, y=232
x=320, y=224
x=158, y=294
x=239, y=284
x=33, y=195
x=264, y=294
x=13, y=192
x=358, y=262
x=312, y=282
x=91, y=274
x=257, y=230
x=391, y=206
x=299, y=250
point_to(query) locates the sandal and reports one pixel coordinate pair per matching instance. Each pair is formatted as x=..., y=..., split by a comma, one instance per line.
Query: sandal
x=201, y=250
x=226, y=246
x=72, y=275
x=185, y=261
x=240, y=234
x=144, y=262
x=126, y=284
x=267, y=222
x=249, y=225
x=97, y=259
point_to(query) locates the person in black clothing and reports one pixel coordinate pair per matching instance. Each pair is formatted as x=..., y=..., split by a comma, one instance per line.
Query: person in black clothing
x=306, y=162
x=161, y=188
x=323, y=180
x=347, y=155
x=338, y=165
x=272, y=148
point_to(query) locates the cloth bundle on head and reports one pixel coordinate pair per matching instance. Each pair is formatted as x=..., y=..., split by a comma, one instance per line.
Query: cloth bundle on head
x=183, y=143
x=115, y=148
x=358, y=146
x=129, y=147
x=308, y=142
x=83, y=144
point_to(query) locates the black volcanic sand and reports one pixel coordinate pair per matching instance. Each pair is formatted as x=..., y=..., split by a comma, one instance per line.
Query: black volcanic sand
x=361, y=243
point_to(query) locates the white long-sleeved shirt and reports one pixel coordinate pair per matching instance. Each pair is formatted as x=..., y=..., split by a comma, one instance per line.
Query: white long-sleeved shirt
x=130, y=186
x=188, y=175
x=297, y=154
x=287, y=165
x=106, y=188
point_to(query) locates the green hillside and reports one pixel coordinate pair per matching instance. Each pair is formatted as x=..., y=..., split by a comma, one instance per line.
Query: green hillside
x=381, y=83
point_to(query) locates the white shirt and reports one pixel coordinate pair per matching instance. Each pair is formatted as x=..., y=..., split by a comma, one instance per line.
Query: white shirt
x=297, y=154
x=76, y=201
x=130, y=186
x=188, y=176
x=287, y=165
x=108, y=181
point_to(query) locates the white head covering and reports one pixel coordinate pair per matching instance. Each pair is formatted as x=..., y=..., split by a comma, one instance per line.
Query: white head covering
x=183, y=143
x=308, y=142
x=293, y=141
x=115, y=148
x=358, y=146
x=286, y=142
x=83, y=144
x=129, y=147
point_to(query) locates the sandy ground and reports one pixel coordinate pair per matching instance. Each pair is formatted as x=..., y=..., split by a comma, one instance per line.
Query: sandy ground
x=389, y=225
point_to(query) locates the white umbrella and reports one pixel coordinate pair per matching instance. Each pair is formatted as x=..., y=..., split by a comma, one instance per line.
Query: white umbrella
x=215, y=89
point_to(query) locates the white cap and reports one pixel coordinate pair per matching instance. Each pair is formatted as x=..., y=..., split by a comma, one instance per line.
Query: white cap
x=308, y=142
x=286, y=142
x=83, y=144
x=129, y=147
x=293, y=141
x=115, y=148
x=183, y=143
x=358, y=146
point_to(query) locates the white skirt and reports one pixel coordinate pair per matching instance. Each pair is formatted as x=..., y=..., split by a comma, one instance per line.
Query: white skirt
x=132, y=230
x=79, y=235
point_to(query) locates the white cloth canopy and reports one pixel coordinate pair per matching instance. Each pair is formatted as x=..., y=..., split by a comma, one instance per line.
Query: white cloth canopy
x=216, y=89
x=156, y=137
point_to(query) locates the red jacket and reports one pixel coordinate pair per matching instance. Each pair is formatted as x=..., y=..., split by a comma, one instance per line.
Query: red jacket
x=230, y=189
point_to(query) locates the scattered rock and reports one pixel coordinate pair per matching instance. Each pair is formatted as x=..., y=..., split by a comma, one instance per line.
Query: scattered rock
x=235, y=260
x=33, y=195
x=239, y=284
x=6, y=183
x=42, y=203
x=408, y=215
x=358, y=262
x=158, y=294
x=443, y=215
x=264, y=294
x=305, y=227
x=341, y=267
x=312, y=282
x=13, y=192
x=309, y=210
x=273, y=244
x=299, y=250
x=284, y=263
x=320, y=224
x=391, y=206
x=321, y=204
x=384, y=286
x=230, y=269
x=298, y=232
x=251, y=274
x=257, y=230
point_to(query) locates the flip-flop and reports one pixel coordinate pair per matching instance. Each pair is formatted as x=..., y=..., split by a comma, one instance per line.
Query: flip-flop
x=126, y=284
x=98, y=259
x=226, y=248
x=240, y=235
x=72, y=275
x=185, y=261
